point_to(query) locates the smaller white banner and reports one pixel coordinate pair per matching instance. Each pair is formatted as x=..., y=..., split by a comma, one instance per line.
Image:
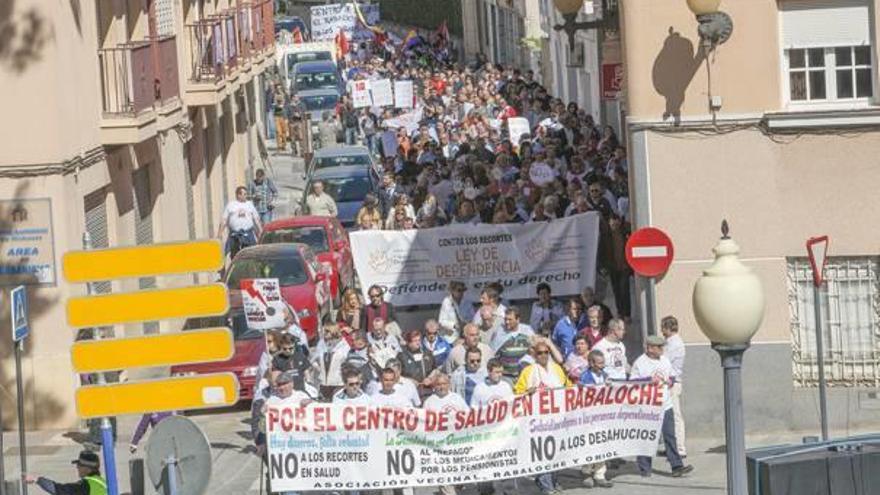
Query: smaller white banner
x=517, y=127
x=360, y=94
x=541, y=174
x=263, y=306
x=403, y=94
x=383, y=96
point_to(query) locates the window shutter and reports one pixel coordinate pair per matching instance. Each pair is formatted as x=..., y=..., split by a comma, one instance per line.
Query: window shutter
x=96, y=226
x=164, y=17
x=825, y=23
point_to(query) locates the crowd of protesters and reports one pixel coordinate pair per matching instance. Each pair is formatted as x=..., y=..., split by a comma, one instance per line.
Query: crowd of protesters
x=457, y=164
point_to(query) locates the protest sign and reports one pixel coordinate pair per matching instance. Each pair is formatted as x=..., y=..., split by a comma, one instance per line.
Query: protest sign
x=263, y=306
x=382, y=94
x=409, y=121
x=403, y=94
x=328, y=20
x=415, y=266
x=517, y=127
x=360, y=94
x=336, y=447
x=541, y=174
x=389, y=144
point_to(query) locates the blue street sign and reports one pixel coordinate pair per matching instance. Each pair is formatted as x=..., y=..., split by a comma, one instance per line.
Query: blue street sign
x=19, y=313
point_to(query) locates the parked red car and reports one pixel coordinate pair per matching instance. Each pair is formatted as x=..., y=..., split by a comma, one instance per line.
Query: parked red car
x=304, y=282
x=326, y=237
x=249, y=346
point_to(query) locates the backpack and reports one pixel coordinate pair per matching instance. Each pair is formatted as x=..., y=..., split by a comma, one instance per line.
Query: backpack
x=511, y=352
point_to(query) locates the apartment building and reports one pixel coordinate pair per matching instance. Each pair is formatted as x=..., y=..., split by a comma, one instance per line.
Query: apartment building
x=131, y=121
x=776, y=130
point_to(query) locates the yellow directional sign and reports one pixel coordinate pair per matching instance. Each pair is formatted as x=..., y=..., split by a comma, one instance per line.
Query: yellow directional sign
x=192, y=346
x=131, y=307
x=142, y=261
x=173, y=394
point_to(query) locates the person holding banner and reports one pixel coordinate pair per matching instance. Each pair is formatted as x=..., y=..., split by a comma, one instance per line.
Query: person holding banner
x=654, y=366
x=594, y=375
x=351, y=393
x=493, y=389
x=444, y=400
x=543, y=374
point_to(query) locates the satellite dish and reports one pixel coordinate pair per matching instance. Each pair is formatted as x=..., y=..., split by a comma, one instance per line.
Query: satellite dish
x=179, y=457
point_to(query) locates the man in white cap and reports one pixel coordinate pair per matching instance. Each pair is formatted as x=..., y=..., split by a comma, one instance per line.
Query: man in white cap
x=654, y=366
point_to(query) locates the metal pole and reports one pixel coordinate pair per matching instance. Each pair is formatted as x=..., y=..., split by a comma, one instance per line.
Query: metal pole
x=651, y=306
x=734, y=426
x=22, y=445
x=170, y=466
x=820, y=359
x=107, y=446
x=2, y=460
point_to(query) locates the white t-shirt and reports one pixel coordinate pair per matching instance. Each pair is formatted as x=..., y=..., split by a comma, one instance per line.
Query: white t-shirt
x=295, y=400
x=405, y=387
x=485, y=393
x=450, y=403
x=342, y=398
x=240, y=215
x=394, y=399
x=615, y=358
x=645, y=367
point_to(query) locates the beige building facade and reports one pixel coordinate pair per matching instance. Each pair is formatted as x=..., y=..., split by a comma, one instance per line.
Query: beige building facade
x=136, y=121
x=778, y=131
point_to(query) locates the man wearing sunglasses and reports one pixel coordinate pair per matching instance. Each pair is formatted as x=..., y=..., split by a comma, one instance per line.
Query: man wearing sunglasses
x=377, y=308
x=466, y=378
x=351, y=392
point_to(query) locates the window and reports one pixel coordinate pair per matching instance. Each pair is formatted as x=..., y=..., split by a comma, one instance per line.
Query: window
x=288, y=271
x=314, y=237
x=827, y=52
x=850, y=322
x=830, y=74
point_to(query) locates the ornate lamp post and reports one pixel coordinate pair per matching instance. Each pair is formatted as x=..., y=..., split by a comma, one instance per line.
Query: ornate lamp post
x=570, y=9
x=729, y=306
x=715, y=26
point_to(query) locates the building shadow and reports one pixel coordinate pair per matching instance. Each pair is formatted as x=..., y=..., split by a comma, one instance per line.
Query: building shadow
x=674, y=69
x=23, y=36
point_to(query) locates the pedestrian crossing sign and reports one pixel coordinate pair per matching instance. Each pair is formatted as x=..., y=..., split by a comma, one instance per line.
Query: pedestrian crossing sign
x=19, y=312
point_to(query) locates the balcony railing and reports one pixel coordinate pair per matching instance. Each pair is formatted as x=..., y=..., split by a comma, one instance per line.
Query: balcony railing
x=268, y=19
x=207, y=53
x=128, y=82
x=245, y=31
x=230, y=39
x=169, y=80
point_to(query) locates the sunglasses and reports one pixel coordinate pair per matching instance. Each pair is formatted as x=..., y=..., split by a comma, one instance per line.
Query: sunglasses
x=375, y=295
x=542, y=353
x=473, y=361
x=353, y=384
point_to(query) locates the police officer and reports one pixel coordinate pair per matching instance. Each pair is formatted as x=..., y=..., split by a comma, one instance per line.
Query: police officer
x=91, y=483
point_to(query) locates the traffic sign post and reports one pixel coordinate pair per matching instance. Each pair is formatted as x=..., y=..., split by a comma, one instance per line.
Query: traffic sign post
x=649, y=252
x=18, y=311
x=817, y=251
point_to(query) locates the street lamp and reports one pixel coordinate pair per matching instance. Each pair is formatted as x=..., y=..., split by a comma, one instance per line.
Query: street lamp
x=570, y=9
x=729, y=306
x=715, y=26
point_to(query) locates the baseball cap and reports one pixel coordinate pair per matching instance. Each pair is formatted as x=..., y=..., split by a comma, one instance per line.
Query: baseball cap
x=88, y=459
x=655, y=340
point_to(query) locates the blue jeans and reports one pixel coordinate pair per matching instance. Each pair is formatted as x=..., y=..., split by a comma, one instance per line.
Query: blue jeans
x=270, y=125
x=668, y=430
x=249, y=239
x=546, y=482
x=265, y=216
x=350, y=135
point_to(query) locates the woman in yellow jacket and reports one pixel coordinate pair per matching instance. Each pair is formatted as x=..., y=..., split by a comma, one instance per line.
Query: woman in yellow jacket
x=544, y=373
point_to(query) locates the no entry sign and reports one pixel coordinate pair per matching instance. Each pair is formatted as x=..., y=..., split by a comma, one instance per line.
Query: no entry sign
x=649, y=252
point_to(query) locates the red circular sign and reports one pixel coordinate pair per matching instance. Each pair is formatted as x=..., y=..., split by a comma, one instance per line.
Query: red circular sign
x=649, y=252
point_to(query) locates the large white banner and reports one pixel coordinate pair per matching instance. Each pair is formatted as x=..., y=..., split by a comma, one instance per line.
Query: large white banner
x=415, y=266
x=364, y=447
x=327, y=20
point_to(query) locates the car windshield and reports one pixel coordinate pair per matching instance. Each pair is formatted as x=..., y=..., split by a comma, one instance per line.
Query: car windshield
x=235, y=320
x=288, y=271
x=316, y=80
x=342, y=161
x=314, y=237
x=295, y=58
x=347, y=189
x=320, y=102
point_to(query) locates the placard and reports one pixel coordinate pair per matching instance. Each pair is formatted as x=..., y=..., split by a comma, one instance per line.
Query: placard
x=541, y=174
x=403, y=94
x=382, y=94
x=360, y=94
x=263, y=306
x=327, y=20
x=517, y=127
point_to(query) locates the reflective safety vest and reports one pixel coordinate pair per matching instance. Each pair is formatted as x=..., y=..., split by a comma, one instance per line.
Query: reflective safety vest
x=97, y=485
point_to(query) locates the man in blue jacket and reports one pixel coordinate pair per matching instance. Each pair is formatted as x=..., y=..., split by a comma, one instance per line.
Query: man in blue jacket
x=567, y=328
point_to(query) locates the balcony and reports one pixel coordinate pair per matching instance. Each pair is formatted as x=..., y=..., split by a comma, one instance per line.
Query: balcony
x=208, y=67
x=140, y=89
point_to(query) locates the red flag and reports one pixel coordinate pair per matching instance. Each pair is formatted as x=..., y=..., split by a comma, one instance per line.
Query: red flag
x=342, y=46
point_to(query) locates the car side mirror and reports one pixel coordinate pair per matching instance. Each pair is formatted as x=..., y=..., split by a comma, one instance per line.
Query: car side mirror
x=320, y=277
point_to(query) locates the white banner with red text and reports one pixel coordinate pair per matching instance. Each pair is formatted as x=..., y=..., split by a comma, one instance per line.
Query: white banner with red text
x=336, y=447
x=415, y=266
